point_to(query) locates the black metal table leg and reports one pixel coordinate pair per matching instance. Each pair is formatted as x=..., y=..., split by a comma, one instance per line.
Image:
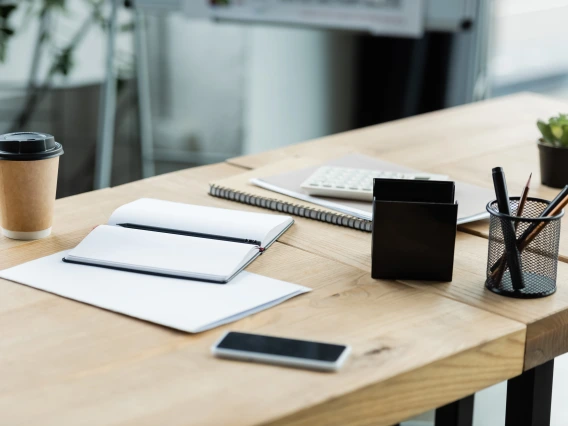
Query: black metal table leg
x=458, y=413
x=529, y=397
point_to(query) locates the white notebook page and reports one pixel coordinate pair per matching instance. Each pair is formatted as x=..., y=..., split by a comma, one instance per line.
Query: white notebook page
x=190, y=306
x=201, y=219
x=157, y=252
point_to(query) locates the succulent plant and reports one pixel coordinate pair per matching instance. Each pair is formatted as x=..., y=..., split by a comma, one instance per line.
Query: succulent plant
x=555, y=132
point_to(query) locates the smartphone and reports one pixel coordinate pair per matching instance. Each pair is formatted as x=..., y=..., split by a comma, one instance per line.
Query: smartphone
x=281, y=351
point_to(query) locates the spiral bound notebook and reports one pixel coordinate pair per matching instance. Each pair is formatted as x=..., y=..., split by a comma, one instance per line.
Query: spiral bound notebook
x=277, y=187
x=240, y=189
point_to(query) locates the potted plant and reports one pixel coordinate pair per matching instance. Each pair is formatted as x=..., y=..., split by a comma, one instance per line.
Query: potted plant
x=553, y=148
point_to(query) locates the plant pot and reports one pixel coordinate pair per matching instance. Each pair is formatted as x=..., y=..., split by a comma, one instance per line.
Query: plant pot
x=553, y=165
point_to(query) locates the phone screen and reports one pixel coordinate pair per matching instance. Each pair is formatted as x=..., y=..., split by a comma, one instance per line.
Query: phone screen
x=301, y=349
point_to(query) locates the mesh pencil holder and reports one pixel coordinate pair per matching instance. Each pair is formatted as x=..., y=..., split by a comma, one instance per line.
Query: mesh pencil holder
x=539, y=258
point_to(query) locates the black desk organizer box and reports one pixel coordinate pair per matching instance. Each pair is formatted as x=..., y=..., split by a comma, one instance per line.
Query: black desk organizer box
x=539, y=260
x=413, y=240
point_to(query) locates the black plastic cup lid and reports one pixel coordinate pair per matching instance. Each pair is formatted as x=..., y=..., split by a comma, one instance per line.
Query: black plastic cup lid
x=28, y=146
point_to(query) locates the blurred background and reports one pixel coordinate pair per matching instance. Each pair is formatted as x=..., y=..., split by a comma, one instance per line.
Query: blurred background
x=137, y=88
x=196, y=82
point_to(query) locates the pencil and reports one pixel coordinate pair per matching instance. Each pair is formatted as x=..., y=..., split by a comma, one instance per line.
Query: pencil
x=547, y=211
x=526, y=241
x=523, y=200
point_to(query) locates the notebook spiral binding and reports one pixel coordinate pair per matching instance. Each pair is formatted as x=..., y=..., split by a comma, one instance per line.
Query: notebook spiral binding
x=292, y=209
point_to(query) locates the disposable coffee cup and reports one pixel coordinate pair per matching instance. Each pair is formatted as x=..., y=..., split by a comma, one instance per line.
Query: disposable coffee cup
x=29, y=163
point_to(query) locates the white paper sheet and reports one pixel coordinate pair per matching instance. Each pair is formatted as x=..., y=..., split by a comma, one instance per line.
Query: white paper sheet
x=185, y=305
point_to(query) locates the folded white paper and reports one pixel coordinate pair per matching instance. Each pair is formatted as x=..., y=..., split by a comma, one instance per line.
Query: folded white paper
x=186, y=305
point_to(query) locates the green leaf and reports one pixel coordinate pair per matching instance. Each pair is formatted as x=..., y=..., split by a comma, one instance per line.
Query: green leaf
x=556, y=130
x=6, y=10
x=54, y=4
x=127, y=27
x=64, y=63
x=545, y=131
x=562, y=119
x=564, y=138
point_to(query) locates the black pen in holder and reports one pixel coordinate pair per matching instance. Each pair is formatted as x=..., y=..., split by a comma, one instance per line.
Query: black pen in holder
x=539, y=259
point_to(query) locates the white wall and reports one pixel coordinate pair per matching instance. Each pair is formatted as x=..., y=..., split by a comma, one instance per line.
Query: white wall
x=529, y=40
x=198, y=86
x=228, y=89
x=298, y=85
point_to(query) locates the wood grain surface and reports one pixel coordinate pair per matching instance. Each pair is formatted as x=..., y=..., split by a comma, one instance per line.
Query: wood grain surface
x=546, y=319
x=416, y=345
x=480, y=136
x=67, y=363
x=547, y=322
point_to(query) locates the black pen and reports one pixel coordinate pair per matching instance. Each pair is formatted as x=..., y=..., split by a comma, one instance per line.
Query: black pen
x=509, y=235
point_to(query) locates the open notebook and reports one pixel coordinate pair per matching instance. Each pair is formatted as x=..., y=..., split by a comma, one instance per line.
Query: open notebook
x=179, y=240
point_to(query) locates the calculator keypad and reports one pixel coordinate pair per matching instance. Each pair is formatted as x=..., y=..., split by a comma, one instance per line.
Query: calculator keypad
x=355, y=184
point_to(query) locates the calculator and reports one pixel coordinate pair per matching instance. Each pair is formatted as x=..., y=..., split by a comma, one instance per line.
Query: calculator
x=352, y=183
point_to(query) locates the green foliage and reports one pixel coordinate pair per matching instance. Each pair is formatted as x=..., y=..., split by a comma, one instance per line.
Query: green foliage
x=63, y=56
x=54, y=3
x=555, y=132
x=6, y=31
x=64, y=62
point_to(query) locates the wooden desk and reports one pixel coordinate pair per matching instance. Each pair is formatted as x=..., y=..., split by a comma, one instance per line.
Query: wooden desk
x=64, y=362
x=416, y=346
x=464, y=142
x=546, y=319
